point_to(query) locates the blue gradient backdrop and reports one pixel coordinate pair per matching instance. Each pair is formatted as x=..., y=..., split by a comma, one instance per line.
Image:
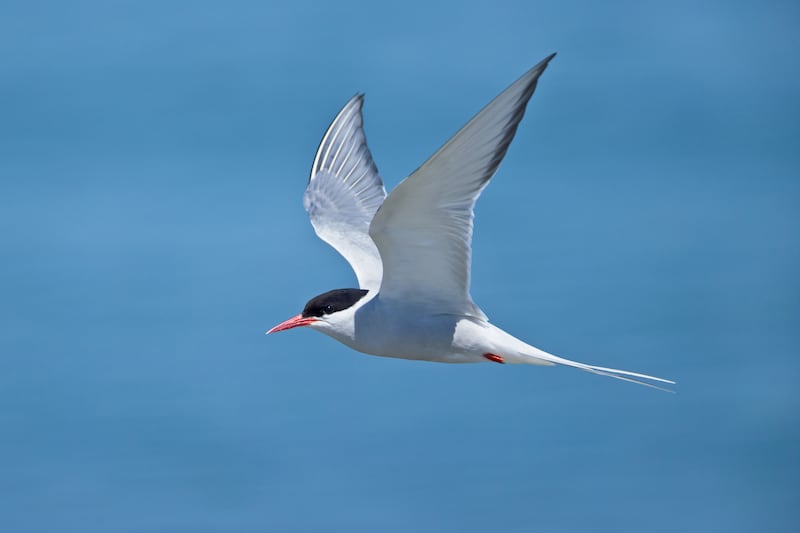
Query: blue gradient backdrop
x=152, y=161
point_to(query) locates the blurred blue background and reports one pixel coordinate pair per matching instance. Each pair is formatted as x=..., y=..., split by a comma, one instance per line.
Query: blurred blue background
x=152, y=161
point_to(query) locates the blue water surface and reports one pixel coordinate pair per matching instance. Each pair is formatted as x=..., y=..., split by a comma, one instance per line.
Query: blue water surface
x=153, y=156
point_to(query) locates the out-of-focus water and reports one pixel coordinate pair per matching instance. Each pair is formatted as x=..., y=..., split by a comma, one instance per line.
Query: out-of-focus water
x=152, y=162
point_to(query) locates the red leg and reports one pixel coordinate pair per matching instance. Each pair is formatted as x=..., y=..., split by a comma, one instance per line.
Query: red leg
x=494, y=357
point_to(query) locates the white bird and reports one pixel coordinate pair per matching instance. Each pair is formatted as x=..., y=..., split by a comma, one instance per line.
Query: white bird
x=411, y=250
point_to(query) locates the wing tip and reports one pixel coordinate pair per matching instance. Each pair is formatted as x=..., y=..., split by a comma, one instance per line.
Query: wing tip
x=540, y=67
x=358, y=97
x=350, y=112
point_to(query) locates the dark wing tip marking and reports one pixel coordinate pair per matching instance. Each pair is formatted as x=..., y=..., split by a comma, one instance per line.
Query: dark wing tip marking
x=516, y=117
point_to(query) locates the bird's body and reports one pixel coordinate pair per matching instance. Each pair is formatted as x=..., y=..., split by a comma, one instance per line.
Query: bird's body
x=390, y=329
x=411, y=250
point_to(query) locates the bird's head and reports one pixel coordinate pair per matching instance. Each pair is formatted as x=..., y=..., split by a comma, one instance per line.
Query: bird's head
x=326, y=311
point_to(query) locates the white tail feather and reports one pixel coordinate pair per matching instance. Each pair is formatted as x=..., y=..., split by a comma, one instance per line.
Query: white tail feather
x=623, y=375
x=595, y=370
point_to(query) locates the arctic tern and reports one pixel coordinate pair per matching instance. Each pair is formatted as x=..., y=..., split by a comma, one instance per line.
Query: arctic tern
x=411, y=250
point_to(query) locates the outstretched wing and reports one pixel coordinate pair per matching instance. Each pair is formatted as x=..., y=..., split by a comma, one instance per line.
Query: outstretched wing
x=345, y=191
x=424, y=228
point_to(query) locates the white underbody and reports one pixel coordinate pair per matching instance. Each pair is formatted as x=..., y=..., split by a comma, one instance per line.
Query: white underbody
x=414, y=331
x=388, y=329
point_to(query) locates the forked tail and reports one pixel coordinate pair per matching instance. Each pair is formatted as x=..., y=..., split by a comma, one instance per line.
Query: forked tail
x=624, y=375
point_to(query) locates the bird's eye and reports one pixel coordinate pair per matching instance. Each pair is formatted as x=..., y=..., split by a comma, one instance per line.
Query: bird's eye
x=328, y=309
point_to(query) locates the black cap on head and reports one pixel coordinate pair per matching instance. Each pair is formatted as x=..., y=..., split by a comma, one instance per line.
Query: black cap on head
x=332, y=301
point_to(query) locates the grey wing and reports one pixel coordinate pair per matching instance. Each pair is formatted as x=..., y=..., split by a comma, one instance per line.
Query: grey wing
x=424, y=228
x=344, y=192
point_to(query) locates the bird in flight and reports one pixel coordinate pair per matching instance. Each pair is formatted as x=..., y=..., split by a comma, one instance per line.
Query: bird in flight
x=411, y=250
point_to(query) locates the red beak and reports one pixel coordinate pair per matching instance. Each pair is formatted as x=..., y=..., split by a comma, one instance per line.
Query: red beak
x=293, y=322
